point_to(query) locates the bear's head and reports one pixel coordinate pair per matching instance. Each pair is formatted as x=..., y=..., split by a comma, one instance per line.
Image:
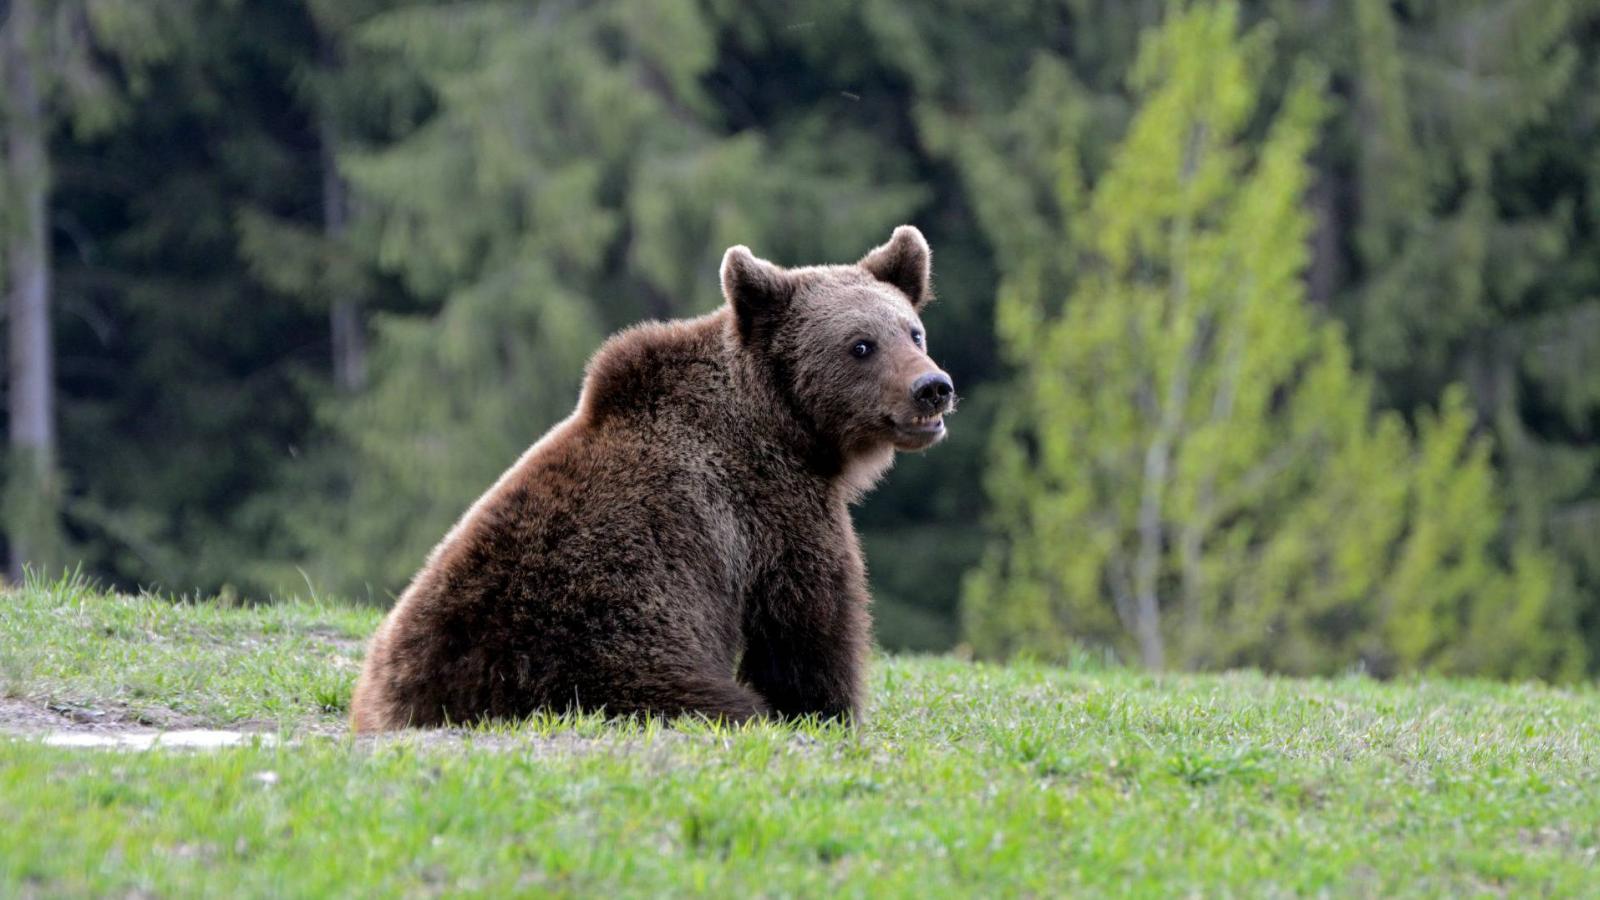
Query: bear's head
x=845, y=344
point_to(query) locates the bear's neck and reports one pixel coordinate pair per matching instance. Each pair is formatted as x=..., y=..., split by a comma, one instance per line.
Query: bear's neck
x=780, y=426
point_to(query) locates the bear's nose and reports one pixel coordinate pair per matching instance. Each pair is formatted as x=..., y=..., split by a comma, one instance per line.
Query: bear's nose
x=932, y=392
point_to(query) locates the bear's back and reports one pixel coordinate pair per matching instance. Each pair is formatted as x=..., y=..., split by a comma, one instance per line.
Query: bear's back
x=619, y=530
x=660, y=373
x=641, y=466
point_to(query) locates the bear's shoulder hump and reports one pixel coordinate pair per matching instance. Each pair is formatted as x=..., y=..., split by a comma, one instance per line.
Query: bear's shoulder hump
x=639, y=366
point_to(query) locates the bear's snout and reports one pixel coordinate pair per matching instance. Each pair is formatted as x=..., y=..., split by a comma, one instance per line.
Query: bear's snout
x=933, y=393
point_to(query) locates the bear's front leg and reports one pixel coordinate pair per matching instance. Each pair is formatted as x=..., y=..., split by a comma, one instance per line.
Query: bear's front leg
x=806, y=646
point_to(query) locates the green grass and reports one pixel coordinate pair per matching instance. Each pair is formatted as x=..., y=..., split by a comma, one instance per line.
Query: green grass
x=162, y=661
x=965, y=780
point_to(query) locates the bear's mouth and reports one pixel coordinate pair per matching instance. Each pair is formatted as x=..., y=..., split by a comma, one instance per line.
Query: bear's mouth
x=919, y=429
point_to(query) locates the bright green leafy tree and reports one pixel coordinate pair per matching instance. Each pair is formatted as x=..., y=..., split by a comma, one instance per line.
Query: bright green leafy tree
x=1189, y=469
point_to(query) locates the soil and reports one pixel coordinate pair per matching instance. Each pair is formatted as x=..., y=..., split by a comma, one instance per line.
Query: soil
x=28, y=717
x=83, y=727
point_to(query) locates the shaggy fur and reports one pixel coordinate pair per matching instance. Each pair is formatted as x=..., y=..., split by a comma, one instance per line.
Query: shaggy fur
x=681, y=544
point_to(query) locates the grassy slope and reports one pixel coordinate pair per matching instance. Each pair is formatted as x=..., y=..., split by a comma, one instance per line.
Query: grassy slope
x=966, y=778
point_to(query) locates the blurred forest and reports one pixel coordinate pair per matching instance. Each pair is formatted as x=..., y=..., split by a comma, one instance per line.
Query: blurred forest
x=1276, y=322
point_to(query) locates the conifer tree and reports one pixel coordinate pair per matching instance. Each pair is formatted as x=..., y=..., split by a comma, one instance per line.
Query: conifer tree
x=354, y=99
x=62, y=62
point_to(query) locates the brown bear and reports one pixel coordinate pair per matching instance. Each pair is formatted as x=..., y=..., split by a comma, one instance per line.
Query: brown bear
x=681, y=544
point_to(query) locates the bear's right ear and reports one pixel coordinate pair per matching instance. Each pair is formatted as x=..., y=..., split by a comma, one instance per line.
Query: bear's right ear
x=755, y=288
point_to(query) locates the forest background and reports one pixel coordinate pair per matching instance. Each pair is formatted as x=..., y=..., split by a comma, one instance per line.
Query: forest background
x=1276, y=322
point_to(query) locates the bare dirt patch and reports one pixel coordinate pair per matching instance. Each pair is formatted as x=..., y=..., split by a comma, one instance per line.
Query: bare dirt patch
x=84, y=727
x=337, y=640
x=21, y=716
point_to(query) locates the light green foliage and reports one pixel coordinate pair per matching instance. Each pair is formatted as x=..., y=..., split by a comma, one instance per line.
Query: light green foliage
x=1189, y=469
x=965, y=779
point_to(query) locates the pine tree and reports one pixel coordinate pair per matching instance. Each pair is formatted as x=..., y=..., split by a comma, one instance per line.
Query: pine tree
x=354, y=99
x=979, y=100
x=1189, y=468
x=64, y=62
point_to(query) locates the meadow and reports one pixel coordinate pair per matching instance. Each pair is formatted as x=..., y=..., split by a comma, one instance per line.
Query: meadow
x=965, y=779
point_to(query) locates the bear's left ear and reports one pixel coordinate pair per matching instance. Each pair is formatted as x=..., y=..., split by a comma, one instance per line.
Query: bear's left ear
x=905, y=262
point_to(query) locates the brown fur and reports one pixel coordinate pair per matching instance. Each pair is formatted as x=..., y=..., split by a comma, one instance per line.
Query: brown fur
x=681, y=544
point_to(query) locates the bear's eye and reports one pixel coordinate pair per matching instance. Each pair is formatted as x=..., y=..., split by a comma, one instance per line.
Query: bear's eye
x=916, y=337
x=862, y=349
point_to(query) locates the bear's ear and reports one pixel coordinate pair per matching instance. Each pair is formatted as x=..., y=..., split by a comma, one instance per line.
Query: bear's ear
x=905, y=262
x=755, y=288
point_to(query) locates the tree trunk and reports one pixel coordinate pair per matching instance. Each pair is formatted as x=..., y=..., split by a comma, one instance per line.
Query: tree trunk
x=1152, y=527
x=1169, y=413
x=344, y=316
x=1324, y=274
x=1146, y=566
x=32, y=507
x=345, y=325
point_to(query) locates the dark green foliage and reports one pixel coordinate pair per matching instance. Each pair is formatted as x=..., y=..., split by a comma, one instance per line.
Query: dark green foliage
x=1467, y=154
x=184, y=383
